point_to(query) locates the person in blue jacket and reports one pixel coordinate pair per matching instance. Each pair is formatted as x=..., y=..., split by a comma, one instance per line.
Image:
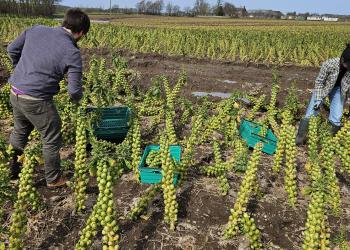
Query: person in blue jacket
x=333, y=81
x=41, y=56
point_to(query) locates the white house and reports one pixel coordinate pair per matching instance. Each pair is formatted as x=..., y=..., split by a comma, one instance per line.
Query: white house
x=314, y=18
x=330, y=19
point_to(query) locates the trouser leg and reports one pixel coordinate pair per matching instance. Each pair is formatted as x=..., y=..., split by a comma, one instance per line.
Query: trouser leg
x=45, y=118
x=19, y=136
x=336, y=107
x=22, y=126
x=310, y=109
x=52, y=142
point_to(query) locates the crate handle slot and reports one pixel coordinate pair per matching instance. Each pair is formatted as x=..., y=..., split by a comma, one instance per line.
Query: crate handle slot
x=266, y=140
x=156, y=172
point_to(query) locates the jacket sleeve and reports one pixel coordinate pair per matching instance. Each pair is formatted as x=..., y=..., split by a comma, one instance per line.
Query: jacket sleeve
x=73, y=63
x=14, y=49
x=321, y=80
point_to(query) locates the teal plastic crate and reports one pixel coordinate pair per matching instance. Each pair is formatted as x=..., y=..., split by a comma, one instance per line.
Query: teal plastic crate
x=114, y=122
x=249, y=131
x=151, y=175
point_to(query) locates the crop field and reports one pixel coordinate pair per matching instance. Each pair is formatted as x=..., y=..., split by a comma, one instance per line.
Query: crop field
x=219, y=192
x=273, y=42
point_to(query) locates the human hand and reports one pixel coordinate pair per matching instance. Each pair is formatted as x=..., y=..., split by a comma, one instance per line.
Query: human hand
x=317, y=105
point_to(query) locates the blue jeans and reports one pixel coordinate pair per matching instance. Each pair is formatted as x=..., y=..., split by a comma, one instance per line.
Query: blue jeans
x=336, y=107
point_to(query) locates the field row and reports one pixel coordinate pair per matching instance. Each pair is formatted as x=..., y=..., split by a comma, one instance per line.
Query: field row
x=269, y=44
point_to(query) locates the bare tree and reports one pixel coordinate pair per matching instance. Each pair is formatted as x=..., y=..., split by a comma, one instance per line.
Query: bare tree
x=201, y=7
x=172, y=10
x=188, y=11
x=159, y=5
x=169, y=9
x=28, y=7
x=141, y=6
x=150, y=7
x=176, y=10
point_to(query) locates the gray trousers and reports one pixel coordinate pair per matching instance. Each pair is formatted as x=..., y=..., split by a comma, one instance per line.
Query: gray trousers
x=43, y=115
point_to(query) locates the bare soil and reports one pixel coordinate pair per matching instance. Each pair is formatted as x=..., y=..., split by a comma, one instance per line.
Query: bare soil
x=203, y=212
x=205, y=75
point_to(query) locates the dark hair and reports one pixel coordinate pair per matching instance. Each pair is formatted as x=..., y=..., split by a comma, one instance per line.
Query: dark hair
x=345, y=58
x=76, y=20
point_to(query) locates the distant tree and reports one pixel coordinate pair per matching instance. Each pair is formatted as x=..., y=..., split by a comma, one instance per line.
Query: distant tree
x=176, y=10
x=150, y=7
x=243, y=12
x=169, y=9
x=305, y=15
x=172, y=10
x=229, y=9
x=116, y=9
x=201, y=7
x=219, y=10
x=189, y=11
x=141, y=6
x=159, y=6
x=291, y=13
x=29, y=7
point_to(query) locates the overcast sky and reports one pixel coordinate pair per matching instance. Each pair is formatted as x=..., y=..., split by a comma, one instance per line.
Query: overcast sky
x=317, y=6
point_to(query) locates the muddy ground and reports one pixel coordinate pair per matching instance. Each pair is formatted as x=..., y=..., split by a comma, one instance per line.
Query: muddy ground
x=205, y=75
x=203, y=213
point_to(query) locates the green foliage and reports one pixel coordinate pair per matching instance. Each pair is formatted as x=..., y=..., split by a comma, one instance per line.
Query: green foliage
x=247, y=187
x=168, y=187
x=141, y=205
x=291, y=102
x=27, y=197
x=81, y=178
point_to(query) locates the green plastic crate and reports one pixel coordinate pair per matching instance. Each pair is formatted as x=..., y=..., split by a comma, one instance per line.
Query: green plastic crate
x=249, y=131
x=154, y=175
x=114, y=122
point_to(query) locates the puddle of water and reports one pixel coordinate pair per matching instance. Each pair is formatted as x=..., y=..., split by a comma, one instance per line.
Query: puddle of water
x=215, y=94
x=229, y=81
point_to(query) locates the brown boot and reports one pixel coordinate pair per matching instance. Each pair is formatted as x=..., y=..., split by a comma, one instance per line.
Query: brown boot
x=60, y=182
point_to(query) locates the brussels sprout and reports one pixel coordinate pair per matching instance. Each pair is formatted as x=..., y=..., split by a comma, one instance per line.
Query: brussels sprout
x=246, y=188
x=81, y=177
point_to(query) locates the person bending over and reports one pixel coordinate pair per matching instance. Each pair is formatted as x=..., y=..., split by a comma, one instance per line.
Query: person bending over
x=333, y=81
x=41, y=56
